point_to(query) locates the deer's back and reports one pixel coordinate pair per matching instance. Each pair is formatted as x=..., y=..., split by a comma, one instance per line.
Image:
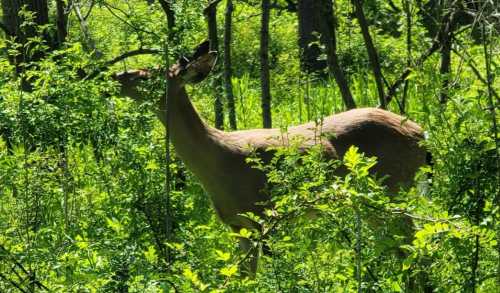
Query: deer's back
x=388, y=136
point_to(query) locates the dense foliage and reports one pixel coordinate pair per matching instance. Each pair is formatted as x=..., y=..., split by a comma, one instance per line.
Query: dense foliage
x=83, y=201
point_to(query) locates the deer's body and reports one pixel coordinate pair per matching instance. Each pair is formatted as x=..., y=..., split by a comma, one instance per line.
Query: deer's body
x=218, y=158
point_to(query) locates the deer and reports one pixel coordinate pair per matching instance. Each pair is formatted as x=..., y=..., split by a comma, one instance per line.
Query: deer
x=219, y=159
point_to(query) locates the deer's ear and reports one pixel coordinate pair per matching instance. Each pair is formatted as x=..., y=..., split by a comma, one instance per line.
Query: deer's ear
x=197, y=68
x=201, y=50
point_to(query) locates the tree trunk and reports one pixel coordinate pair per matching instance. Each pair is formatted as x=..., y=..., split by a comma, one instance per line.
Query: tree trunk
x=316, y=30
x=264, y=65
x=311, y=32
x=10, y=17
x=372, y=52
x=166, y=227
x=227, y=64
x=13, y=23
x=445, y=65
x=211, y=14
x=61, y=21
x=41, y=10
x=330, y=39
x=169, y=13
x=408, y=12
x=89, y=44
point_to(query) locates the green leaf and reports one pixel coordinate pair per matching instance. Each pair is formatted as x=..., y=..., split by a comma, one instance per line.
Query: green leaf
x=151, y=255
x=152, y=165
x=395, y=287
x=229, y=271
x=407, y=263
x=352, y=158
x=224, y=256
x=245, y=233
x=80, y=242
x=193, y=277
x=114, y=224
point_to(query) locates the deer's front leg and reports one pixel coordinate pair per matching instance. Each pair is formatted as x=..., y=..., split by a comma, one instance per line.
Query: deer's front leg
x=250, y=255
x=248, y=266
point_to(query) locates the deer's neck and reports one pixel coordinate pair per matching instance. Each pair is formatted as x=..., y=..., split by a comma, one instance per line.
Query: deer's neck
x=197, y=144
x=201, y=147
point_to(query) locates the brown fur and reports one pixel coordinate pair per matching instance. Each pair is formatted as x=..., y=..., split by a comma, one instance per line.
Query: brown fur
x=217, y=158
x=376, y=132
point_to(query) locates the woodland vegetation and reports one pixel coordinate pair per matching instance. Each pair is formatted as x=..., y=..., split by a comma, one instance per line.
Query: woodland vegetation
x=93, y=198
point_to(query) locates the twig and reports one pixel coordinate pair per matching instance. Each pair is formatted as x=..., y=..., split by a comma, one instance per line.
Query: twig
x=136, y=52
x=392, y=90
x=393, y=6
x=16, y=285
x=474, y=69
x=427, y=219
x=168, y=158
x=409, y=25
x=358, y=249
x=264, y=65
x=247, y=18
x=349, y=242
x=111, y=9
x=20, y=266
x=494, y=127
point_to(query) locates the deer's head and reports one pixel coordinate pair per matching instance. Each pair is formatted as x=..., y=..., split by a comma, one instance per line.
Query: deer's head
x=130, y=80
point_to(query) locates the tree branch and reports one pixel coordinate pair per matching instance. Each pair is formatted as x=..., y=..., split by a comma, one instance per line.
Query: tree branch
x=140, y=51
x=436, y=44
x=112, y=9
x=392, y=90
x=107, y=64
x=16, y=285
x=393, y=6
x=89, y=44
x=92, y=3
x=330, y=37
